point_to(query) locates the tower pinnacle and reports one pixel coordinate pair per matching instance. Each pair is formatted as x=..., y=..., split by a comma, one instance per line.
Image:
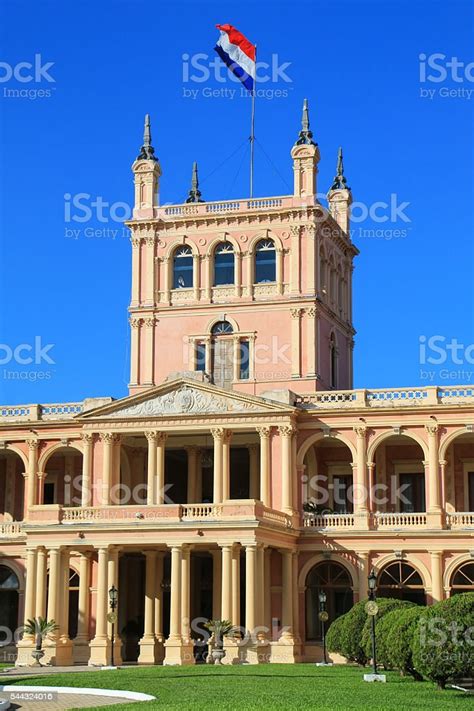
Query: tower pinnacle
x=305, y=135
x=147, y=152
x=194, y=193
x=340, y=182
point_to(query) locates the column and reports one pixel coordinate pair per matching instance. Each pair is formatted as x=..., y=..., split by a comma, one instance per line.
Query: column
x=363, y=573
x=196, y=276
x=286, y=432
x=253, y=471
x=115, y=493
x=151, y=468
x=236, y=585
x=265, y=491
x=226, y=465
x=186, y=594
x=83, y=603
x=107, y=440
x=87, y=440
x=436, y=576
x=260, y=588
x=216, y=584
x=40, y=488
x=192, y=474
x=226, y=606
x=135, y=351
x=160, y=467
x=208, y=356
x=287, y=595
x=295, y=259
x=149, y=350
x=40, y=593
x=102, y=595
x=311, y=316
x=147, y=642
x=136, y=241
x=360, y=487
x=296, y=342
x=159, y=597
x=31, y=557
x=218, y=435
x=166, y=262
x=208, y=272
x=53, y=587
x=64, y=593
x=113, y=580
x=267, y=593
x=238, y=273
x=250, y=584
x=236, y=357
x=175, y=607
x=432, y=485
x=279, y=269
x=150, y=271
x=32, y=468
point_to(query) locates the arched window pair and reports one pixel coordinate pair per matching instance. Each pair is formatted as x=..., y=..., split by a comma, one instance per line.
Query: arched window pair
x=224, y=264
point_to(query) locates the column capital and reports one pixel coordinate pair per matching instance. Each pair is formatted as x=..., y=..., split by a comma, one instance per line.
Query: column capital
x=431, y=430
x=135, y=322
x=296, y=313
x=109, y=437
x=287, y=430
x=87, y=438
x=33, y=444
x=218, y=433
x=360, y=430
x=264, y=431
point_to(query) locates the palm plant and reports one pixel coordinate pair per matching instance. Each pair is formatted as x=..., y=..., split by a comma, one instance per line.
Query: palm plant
x=219, y=629
x=40, y=628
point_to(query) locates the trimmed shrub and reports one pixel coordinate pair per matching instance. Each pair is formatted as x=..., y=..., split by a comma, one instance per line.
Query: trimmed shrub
x=401, y=626
x=443, y=643
x=351, y=633
x=385, y=605
x=333, y=636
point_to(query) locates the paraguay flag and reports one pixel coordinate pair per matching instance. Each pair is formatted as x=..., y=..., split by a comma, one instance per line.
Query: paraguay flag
x=238, y=53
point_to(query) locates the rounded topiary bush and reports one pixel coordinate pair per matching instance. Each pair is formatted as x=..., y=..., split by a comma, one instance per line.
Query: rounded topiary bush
x=401, y=626
x=385, y=605
x=333, y=637
x=443, y=643
x=350, y=634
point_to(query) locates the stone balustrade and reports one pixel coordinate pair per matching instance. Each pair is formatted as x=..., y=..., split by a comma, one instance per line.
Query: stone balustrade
x=399, y=520
x=11, y=529
x=393, y=397
x=460, y=520
x=331, y=521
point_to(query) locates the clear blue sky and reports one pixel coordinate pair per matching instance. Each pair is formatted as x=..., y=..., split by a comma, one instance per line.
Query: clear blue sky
x=357, y=62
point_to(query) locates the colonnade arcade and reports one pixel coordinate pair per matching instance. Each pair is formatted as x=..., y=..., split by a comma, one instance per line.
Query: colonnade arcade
x=160, y=617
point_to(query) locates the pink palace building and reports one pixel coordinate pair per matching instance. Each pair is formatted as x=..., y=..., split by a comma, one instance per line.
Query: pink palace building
x=242, y=474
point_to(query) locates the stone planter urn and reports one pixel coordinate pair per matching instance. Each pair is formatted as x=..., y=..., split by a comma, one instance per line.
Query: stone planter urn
x=217, y=655
x=37, y=654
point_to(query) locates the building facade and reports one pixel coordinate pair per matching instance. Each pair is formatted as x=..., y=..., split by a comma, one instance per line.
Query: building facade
x=242, y=474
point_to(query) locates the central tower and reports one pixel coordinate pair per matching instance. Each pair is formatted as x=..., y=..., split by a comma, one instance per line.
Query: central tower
x=251, y=294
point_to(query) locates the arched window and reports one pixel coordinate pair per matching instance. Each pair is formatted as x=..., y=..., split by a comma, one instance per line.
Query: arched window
x=265, y=261
x=9, y=586
x=463, y=579
x=183, y=268
x=222, y=354
x=224, y=264
x=402, y=581
x=336, y=582
x=333, y=361
x=222, y=328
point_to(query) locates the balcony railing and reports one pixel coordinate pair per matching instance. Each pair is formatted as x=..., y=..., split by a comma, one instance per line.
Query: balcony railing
x=242, y=510
x=11, y=529
x=328, y=521
x=224, y=207
x=460, y=520
x=399, y=520
x=394, y=397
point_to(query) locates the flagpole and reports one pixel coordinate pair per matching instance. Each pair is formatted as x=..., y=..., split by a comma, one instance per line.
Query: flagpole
x=252, y=127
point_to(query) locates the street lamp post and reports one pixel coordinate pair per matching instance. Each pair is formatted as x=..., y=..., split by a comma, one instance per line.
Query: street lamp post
x=372, y=581
x=113, y=601
x=372, y=608
x=323, y=616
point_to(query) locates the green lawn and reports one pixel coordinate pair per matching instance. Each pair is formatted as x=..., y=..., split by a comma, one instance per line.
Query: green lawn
x=273, y=686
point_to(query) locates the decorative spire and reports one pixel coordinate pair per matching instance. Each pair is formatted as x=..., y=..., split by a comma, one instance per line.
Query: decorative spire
x=340, y=182
x=305, y=135
x=195, y=193
x=147, y=152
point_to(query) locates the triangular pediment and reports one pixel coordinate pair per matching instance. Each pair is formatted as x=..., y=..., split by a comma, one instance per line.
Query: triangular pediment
x=184, y=397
